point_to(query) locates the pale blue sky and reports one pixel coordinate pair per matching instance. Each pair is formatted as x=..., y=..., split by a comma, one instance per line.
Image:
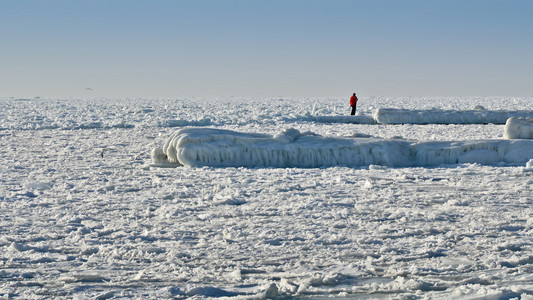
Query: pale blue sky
x=119, y=48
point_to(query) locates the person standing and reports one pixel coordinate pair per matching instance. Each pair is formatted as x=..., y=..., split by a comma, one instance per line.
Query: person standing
x=353, y=103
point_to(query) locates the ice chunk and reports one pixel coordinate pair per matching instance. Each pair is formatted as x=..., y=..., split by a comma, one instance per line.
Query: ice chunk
x=38, y=185
x=160, y=159
x=287, y=136
x=519, y=128
x=271, y=291
x=529, y=164
x=209, y=291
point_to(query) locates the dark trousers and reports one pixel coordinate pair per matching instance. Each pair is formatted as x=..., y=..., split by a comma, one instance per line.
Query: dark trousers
x=353, y=109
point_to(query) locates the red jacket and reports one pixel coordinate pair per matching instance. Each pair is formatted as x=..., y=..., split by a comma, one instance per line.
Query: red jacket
x=353, y=100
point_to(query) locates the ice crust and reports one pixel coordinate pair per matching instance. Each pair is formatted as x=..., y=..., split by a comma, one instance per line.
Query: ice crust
x=290, y=148
x=519, y=128
x=441, y=116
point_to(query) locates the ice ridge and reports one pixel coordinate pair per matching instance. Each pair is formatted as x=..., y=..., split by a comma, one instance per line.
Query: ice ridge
x=198, y=147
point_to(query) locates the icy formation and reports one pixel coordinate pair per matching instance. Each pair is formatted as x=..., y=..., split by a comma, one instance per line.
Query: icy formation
x=485, y=152
x=224, y=148
x=439, y=116
x=290, y=148
x=519, y=128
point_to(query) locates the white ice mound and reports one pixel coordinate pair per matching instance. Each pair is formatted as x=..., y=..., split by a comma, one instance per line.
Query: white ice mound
x=529, y=167
x=519, y=128
x=224, y=148
x=439, y=116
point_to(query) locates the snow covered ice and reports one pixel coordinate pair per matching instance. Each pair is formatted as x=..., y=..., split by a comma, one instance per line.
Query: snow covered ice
x=84, y=215
x=290, y=148
x=439, y=116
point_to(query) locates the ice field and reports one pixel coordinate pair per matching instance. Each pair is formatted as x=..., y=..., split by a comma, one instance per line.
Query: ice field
x=278, y=198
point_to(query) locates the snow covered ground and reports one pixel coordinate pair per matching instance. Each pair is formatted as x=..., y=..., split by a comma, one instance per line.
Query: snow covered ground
x=83, y=215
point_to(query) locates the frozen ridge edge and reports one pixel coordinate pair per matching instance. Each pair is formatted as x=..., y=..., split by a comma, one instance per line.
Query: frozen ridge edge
x=197, y=147
x=439, y=116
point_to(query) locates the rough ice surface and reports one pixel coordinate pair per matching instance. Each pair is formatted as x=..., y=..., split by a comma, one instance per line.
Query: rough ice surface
x=519, y=128
x=83, y=215
x=45, y=114
x=290, y=148
x=440, y=116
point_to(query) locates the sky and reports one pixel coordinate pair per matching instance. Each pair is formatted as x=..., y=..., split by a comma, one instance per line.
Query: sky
x=246, y=48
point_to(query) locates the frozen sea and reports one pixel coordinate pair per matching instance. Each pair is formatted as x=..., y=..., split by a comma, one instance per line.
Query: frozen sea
x=86, y=213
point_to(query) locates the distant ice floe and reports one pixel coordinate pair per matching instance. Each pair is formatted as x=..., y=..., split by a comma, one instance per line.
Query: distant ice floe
x=223, y=148
x=384, y=116
x=438, y=116
x=479, y=115
x=519, y=128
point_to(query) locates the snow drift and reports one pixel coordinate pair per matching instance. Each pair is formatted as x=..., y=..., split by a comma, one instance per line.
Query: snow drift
x=439, y=116
x=291, y=148
x=519, y=128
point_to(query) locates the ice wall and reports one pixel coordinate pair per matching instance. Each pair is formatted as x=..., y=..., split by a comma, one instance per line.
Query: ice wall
x=291, y=148
x=519, y=128
x=439, y=116
x=485, y=152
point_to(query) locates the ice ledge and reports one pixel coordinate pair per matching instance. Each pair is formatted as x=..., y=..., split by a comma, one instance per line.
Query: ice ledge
x=199, y=147
x=439, y=116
